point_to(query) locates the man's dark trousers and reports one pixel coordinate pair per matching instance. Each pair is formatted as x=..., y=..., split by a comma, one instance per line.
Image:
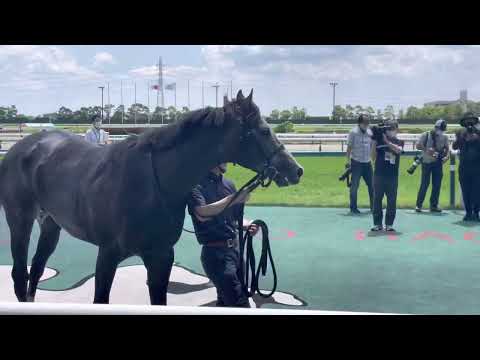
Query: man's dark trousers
x=222, y=266
x=435, y=171
x=360, y=170
x=385, y=186
x=470, y=183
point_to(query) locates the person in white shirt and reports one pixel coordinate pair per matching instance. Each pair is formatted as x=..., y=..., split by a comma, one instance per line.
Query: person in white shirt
x=95, y=134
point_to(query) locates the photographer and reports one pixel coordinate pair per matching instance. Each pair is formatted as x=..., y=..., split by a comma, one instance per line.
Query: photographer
x=359, y=160
x=435, y=152
x=468, y=142
x=386, y=154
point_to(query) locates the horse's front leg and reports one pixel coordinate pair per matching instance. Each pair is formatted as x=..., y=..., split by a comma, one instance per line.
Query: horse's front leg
x=159, y=266
x=107, y=262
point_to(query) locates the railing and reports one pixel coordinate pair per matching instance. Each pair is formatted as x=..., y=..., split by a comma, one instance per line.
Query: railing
x=14, y=308
x=287, y=139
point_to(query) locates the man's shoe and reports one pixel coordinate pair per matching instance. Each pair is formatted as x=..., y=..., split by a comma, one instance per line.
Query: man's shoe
x=476, y=217
x=355, y=211
x=377, y=228
x=418, y=209
x=468, y=217
x=388, y=228
x=435, y=210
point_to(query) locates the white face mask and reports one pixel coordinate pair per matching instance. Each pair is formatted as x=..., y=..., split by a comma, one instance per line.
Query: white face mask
x=392, y=133
x=477, y=126
x=439, y=132
x=97, y=124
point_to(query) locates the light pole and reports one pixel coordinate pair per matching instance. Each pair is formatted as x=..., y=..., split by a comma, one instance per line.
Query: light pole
x=333, y=85
x=102, y=87
x=216, y=86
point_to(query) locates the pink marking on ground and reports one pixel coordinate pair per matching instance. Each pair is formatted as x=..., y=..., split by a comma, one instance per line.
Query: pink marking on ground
x=392, y=237
x=360, y=235
x=291, y=233
x=427, y=234
x=470, y=236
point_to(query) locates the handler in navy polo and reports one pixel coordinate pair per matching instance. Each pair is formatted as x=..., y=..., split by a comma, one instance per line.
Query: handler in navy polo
x=216, y=230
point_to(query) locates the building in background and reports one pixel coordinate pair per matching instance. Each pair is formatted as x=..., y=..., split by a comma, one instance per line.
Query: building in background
x=462, y=101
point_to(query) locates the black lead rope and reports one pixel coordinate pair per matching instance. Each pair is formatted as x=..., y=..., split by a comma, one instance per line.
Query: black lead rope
x=247, y=265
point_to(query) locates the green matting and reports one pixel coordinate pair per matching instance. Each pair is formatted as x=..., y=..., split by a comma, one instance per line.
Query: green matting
x=327, y=258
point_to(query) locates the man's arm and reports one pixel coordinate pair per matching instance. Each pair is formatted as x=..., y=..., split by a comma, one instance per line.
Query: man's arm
x=374, y=151
x=349, y=147
x=204, y=212
x=395, y=148
x=421, y=143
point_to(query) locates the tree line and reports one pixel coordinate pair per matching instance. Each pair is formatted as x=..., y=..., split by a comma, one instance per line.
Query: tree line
x=135, y=114
x=141, y=114
x=448, y=112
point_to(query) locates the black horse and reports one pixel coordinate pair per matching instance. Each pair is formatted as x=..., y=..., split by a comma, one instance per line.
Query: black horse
x=128, y=198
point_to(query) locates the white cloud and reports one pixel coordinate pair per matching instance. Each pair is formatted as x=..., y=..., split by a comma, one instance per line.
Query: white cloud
x=103, y=58
x=410, y=60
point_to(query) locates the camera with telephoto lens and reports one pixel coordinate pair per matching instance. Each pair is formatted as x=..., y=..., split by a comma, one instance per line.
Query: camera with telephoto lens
x=346, y=175
x=417, y=160
x=379, y=130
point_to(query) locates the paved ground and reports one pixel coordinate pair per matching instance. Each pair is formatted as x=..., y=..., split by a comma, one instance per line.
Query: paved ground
x=326, y=260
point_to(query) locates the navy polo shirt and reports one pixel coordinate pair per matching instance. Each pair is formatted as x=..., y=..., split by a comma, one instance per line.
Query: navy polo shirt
x=222, y=227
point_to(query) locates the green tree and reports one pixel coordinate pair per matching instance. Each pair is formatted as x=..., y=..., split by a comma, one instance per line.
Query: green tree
x=389, y=112
x=339, y=112
x=285, y=115
x=275, y=115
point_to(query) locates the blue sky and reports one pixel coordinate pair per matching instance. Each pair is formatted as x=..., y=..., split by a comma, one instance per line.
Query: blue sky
x=40, y=78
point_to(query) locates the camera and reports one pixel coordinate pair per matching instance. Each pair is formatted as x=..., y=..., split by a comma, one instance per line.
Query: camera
x=417, y=160
x=379, y=130
x=346, y=175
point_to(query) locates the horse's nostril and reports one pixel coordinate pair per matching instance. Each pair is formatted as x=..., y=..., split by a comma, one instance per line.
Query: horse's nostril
x=300, y=172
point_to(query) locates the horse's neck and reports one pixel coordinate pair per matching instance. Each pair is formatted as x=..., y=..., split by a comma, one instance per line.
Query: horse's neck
x=185, y=165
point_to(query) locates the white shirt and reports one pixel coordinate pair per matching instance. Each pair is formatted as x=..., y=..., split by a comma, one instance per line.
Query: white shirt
x=361, y=144
x=96, y=136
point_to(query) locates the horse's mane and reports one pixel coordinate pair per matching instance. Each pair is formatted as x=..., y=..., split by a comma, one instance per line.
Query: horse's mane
x=172, y=134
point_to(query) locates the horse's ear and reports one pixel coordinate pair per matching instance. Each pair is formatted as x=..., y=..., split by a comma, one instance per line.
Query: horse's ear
x=250, y=97
x=240, y=96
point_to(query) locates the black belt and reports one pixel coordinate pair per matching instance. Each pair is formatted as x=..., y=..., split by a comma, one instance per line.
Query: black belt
x=229, y=243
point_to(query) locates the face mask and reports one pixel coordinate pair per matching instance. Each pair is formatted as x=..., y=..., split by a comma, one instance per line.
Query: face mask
x=438, y=132
x=97, y=124
x=392, y=133
x=477, y=126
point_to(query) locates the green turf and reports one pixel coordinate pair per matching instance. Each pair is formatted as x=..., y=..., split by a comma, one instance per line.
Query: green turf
x=320, y=186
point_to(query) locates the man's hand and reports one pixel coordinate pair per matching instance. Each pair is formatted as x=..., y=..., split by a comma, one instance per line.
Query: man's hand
x=253, y=229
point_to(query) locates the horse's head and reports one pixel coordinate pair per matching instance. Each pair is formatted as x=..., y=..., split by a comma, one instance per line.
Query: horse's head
x=257, y=147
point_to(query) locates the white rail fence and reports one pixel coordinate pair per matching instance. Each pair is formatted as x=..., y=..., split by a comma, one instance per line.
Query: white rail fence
x=287, y=139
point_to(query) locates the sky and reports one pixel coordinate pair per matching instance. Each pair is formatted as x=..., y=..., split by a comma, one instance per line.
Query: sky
x=39, y=79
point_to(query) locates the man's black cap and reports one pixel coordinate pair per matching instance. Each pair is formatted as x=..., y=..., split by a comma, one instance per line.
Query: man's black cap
x=468, y=116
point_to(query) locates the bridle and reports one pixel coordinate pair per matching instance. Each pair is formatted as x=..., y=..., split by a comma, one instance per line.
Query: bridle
x=268, y=171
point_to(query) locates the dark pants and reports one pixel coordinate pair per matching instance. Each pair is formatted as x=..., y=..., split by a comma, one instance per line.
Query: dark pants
x=435, y=172
x=470, y=183
x=222, y=264
x=360, y=170
x=384, y=186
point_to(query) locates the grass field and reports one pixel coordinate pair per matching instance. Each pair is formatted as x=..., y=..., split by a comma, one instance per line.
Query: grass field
x=320, y=186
